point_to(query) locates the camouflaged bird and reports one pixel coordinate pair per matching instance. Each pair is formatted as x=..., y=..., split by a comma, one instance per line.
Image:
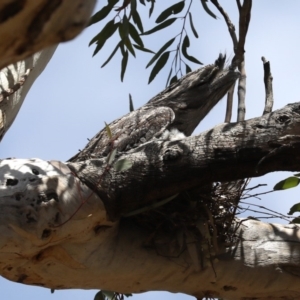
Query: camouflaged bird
x=172, y=114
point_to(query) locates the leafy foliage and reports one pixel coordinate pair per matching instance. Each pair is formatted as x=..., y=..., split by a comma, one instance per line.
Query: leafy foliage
x=288, y=183
x=130, y=27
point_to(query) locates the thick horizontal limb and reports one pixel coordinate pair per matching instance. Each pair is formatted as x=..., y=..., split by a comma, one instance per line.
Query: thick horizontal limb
x=227, y=152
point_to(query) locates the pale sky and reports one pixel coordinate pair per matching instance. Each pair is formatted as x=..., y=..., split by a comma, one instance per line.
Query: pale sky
x=74, y=97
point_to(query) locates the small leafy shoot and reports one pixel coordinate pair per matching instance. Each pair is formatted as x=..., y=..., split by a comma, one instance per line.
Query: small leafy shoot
x=108, y=131
x=111, y=156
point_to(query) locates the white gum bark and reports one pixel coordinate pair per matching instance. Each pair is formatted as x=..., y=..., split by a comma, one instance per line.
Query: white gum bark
x=27, y=27
x=15, y=82
x=54, y=233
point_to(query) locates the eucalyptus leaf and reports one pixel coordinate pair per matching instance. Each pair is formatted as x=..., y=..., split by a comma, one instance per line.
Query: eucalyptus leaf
x=192, y=25
x=142, y=48
x=287, y=183
x=160, y=26
x=124, y=64
x=102, y=13
x=296, y=221
x=159, y=65
x=173, y=9
x=111, y=156
x=184, y=46
x=110, y=27
x=123, y=165
x=160, y=51
x=207, y=9
x=135, y=35
x=104, y=35
x=151, y=8
x=111, y=55
x=133, y=6
x=137, y=20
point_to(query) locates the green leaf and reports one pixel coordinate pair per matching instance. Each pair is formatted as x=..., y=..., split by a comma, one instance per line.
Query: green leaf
x=99, y=296
x=108, y=131
x=207, y=9
x=286, y=183
x=294, y=208
x=124, y=27
x=298, y=174
x=142, y=2
x=124, y=64
x=107, y=28
x=111, y=156
x=174, y=9
x=174, y=79
x=111, y=55
x=124, y=31
x=133, y=6
x=187, y=69
x=159, y=52
x=159, y=65
x=142, y=48
x=122, y=165
x=295, y=221
x=184, y=46
x=151, y=8
x=131, y=107
x=135, y=35
x=104, y=35
x=102, y=13
x=137, y=20
x=192, y=26
x=128, y=45
x=160, y=26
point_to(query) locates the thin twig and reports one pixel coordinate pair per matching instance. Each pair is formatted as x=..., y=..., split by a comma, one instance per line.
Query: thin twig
x=230, y=25
x=268, y=79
